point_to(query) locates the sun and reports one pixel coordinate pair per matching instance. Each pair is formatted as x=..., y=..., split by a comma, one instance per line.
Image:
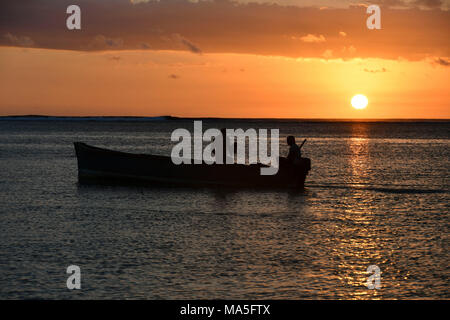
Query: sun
x=359, y=101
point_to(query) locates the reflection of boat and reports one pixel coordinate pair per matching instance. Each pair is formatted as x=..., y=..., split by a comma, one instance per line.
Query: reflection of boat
x=106, y=166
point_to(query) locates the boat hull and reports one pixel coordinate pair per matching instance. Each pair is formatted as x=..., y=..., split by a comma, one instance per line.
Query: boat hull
x=98, y=165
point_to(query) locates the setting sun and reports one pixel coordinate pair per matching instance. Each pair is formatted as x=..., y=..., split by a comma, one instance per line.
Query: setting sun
x=359, y=101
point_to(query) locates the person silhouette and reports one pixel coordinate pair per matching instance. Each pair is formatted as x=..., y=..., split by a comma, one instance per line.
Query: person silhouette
x=227, y=145
x=295, y=152
x=226, y=148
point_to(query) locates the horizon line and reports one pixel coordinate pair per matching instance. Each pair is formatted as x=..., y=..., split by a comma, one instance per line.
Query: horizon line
x=170, y=117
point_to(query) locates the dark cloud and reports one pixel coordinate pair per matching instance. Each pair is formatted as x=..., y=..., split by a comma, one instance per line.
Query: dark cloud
x=442, y=61
x=101, y=42
x=408, y=3
x=375, y=70
x=174, y=76
x=218, y=26
x=186, y=43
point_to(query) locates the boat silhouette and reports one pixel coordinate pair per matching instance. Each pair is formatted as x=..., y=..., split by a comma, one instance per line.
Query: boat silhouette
x=98, y=165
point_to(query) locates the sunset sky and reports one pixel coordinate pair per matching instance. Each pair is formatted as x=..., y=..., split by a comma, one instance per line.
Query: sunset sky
x=277, y=59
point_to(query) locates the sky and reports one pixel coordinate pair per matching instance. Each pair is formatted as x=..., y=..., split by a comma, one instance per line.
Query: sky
x=265, y=59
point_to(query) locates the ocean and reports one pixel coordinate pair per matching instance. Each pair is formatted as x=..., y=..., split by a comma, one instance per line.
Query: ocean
x=377, y=194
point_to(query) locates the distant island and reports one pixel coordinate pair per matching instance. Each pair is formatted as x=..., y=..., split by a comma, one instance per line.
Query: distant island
x=86, y=118
x=33, y=117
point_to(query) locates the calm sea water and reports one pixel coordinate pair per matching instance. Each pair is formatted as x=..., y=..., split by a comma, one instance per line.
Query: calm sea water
x=378, y=194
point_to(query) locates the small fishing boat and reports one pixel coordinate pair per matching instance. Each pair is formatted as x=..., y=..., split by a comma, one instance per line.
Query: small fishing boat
x=98, y=165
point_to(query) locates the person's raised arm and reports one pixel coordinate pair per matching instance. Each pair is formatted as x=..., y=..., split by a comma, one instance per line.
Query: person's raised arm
x=302, y=144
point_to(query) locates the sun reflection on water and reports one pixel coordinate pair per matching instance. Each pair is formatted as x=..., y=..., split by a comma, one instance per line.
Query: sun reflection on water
x=357, y=244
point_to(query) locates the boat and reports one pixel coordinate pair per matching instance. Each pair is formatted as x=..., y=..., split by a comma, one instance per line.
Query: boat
x=98, y=165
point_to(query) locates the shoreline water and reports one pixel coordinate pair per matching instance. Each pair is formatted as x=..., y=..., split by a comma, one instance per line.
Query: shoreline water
x=377, y=194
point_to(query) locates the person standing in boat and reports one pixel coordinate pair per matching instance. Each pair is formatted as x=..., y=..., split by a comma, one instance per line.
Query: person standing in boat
x=227, y=145
x=295, y=151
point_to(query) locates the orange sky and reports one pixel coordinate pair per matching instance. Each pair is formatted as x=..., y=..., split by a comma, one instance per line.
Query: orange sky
x=257, y=72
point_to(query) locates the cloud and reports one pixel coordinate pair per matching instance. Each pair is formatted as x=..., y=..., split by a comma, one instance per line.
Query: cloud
x=342, y=34
x=327, y=54
x=382, y=70
x=350, y=50
x=442, y=61
x=18, y=41
x=225, y=26
x=403, y=4
x=186, y=43
x=174, y=76
x=429, y=3
x=101, y=42
x=311, y=38
x=358, y=6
